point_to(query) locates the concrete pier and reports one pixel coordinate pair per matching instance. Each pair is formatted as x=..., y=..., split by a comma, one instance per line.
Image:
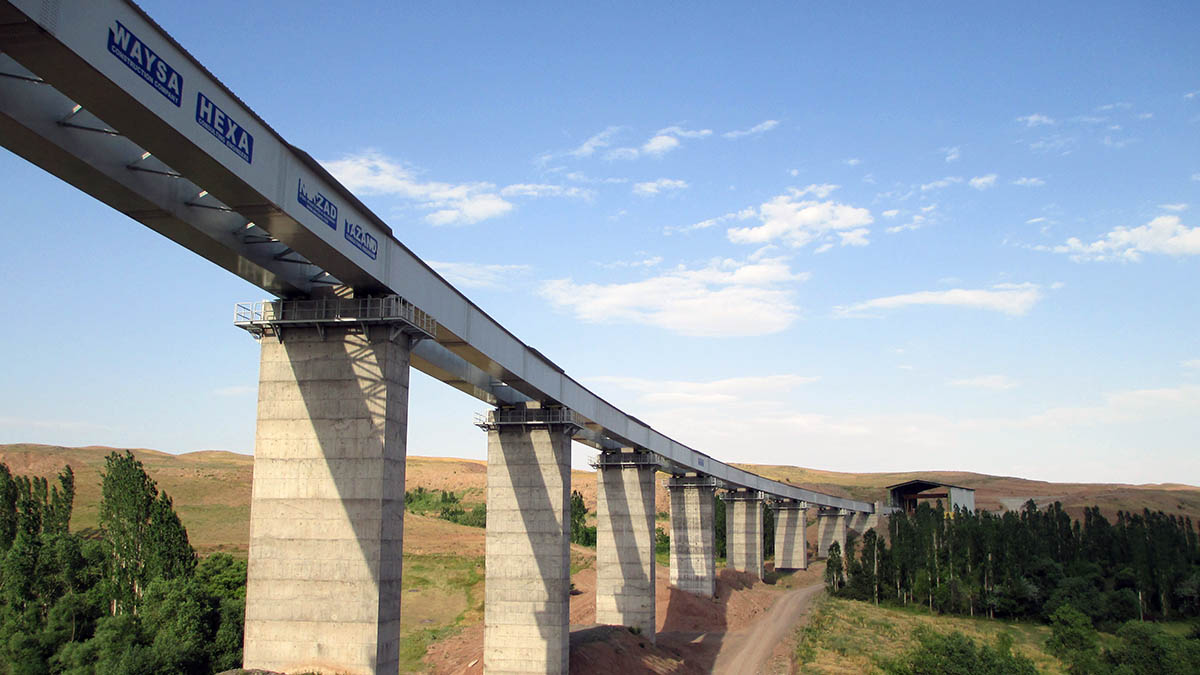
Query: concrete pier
x=744, y=531
x=831, y=527
x=693, y=535
x=791, y=527
x=327, y=511
x=526, y=603
x=625, y=540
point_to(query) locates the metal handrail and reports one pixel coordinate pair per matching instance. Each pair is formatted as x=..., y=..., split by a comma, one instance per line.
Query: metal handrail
x=325, y=310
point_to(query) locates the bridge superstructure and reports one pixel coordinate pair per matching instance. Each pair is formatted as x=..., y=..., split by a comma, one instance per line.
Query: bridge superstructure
x=96, y=93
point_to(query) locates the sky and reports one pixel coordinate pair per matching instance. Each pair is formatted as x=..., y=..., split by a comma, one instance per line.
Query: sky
x=857, y=237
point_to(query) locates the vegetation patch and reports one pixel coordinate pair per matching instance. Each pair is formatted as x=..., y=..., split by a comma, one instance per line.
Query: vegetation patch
x=442, y=592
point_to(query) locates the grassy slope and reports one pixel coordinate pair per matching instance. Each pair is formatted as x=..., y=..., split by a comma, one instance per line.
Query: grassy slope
x=846, y=636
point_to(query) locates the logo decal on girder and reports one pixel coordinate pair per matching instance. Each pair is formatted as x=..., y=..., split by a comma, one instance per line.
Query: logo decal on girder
x=358, y=235
x=145, y=62
x=318, y=203
x=217, y=123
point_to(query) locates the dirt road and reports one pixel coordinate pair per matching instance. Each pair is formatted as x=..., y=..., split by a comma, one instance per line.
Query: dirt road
x=748, y=650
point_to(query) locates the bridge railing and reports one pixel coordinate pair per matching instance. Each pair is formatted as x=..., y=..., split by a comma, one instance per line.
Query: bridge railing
x=333, y=310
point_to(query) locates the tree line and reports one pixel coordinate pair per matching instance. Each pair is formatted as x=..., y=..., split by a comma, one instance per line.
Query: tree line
x=132, y=599
x=1027, y=564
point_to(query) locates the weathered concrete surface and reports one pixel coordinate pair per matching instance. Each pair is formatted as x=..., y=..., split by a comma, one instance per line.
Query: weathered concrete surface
x=327, y=510
x=791, y=549
x=526, y=604
x=693, y=536
x=744, y=531
x=831, y=527
x=625, y=546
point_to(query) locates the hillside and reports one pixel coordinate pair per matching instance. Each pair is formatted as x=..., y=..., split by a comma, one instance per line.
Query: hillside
x=211, y=489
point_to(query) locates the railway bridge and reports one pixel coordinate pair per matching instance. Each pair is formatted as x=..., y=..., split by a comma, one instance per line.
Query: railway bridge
x=96, y=93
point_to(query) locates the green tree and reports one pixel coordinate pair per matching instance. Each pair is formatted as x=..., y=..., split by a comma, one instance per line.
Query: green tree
x=957, y=654
x=580, y=532
x=834, y=575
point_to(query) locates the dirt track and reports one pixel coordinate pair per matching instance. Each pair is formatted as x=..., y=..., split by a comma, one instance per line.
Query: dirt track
x=749, y=650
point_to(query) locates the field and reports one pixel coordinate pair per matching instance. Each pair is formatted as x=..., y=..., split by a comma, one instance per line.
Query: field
x=847, y=636
x=443, y=562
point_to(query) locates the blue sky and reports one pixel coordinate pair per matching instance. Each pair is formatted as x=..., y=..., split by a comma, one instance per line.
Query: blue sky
x=856, y=238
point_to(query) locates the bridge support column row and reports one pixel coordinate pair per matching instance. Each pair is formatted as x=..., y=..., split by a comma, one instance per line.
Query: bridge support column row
x=526, y=603
x=327, y=511
x=625, y=541
x=693, y=535
x=831, y=527
x=791, y=526
x=744, y=531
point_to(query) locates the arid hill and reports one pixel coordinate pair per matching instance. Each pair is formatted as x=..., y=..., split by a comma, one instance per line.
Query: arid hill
x=211, y=489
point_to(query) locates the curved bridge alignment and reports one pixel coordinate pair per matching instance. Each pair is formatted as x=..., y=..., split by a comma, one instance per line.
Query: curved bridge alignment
x=96, y=93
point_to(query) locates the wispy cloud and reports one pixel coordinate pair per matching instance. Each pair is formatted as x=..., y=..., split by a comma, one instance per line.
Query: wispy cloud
x=544, y=190
x=591, y=145
x=371, y=172
x=853, y=161
x=761, y=127
x=952, y=154
x=1177, y=208
x=983, y=182
x=1165, y=235
x=654, y=187
x=478, y=275
x=1192, y=94
x=660, y=145
x=941, y=183
x=1191, y=363
x=891, y=213
x=641, y=261
x=1012, y=299
x=1119, y=105
x=1036, y=120
x=723, y=298
x=691, y=392
x=684, y=133
x=993, y=382
x=1027, y=181
x=744, y=214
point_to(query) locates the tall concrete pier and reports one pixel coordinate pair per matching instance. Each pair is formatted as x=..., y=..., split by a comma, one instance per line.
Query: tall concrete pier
x=327, y=511
x=625, y=540
x=791, y=547
x=693, y=535
x=831, y=527
x=744, y=531
x=526, y=604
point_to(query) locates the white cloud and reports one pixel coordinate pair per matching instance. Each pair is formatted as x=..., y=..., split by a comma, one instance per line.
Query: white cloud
x=796, y=222
x=1192, y=94
x=371, y=172
x=1036, y=120
x=1191, y=363
x=730, y=390
x=478, y=275
x=939, y=184
x=1196, y=176
x=580, y=177
x=1165, y=235
x=918, y=221
x=1120, y=105
x=1029, y=181
x=994, y=382
x=983, y=182
x=759, y=128
x=1145, y=116
x=651, y=261
x=1012, y=299
x=651, y=188
x=891, y=213
x=684, y=133
x=591, y=145
x=660, y=145
x=544, y=190
x=853, y=161
x=952, y=154
x=744, y=214
x=724, y=298
x=622, y=154
x=1177, y=208
x=1034, y=221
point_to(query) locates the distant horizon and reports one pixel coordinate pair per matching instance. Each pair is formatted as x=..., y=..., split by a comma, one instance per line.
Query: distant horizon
x=587, y=468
